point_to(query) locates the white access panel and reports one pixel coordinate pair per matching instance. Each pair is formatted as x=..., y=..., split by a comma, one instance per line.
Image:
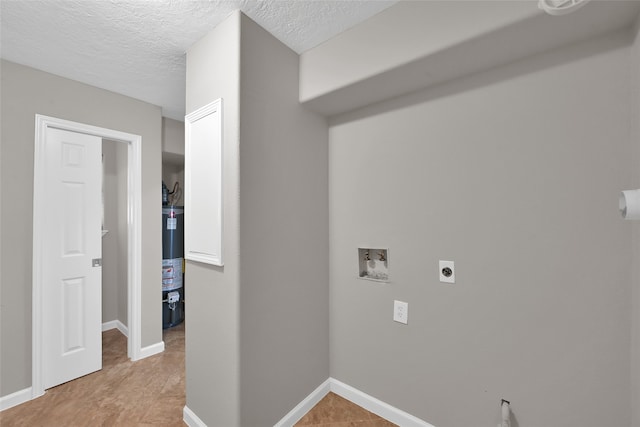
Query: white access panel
x=203, y=184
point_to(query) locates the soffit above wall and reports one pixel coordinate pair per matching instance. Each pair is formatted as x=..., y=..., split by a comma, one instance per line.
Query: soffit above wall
x=438, y=41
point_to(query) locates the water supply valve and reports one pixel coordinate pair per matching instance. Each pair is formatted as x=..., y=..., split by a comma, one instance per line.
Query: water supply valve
x=173, y=297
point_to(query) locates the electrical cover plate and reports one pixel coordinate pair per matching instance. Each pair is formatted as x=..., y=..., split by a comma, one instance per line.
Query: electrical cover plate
x=447, y=272
x=400, y=311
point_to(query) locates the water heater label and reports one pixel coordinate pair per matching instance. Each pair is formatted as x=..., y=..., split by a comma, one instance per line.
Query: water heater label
x=171, y=274
x=172, y=223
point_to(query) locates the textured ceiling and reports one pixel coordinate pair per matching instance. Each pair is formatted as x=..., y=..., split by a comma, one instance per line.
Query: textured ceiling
x=137, y=47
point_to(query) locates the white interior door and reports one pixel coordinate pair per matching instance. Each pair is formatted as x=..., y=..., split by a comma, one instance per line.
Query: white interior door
x=72, y=278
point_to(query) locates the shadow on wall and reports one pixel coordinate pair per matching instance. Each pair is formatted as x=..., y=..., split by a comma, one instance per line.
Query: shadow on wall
x=500, y=73
x=514, y=420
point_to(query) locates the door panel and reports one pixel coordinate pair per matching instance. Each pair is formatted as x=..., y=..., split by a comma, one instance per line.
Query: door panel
x=72, y=221
x=73, y=314
x=72, y=326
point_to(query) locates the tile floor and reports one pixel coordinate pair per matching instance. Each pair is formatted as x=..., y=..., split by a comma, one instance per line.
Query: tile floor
x=150, y=392
x=335, y=411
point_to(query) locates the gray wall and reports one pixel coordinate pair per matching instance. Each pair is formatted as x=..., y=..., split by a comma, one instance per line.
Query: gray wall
x=284, y=249
x=109, y=243
x=173, y=172
x=25, y=93
x=212, y=299
x=172, y=136
x=635, y=134
x=514, y=174
x=114, y=243
x=257, y=328
x=173, y=155
x=123, y=234
x=406, y=32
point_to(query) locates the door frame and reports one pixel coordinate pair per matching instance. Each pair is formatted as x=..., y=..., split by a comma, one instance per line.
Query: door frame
x=134, y=236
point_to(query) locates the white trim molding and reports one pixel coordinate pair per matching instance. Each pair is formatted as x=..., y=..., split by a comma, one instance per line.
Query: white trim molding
x=370, y=403
x=134, y=243
x=305, y=406
x=150, y=350
x=116, y=324
x=191, y=419
x=378, y=407
x=15, y=399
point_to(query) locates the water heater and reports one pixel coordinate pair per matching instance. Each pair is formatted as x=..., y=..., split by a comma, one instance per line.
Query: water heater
x=172, y=265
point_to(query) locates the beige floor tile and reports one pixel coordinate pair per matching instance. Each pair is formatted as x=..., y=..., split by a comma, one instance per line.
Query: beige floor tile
x=336, y=411
x=150, y=392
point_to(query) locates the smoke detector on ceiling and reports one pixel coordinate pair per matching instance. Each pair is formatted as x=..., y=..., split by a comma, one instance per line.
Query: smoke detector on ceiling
x=561, y=7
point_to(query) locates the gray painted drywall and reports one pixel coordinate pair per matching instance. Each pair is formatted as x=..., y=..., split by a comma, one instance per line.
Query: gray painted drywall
x=514, y=174
x=110, y=240
x=284, y=250
x=123, y=233
x=172, y=173
x=257, y=329
x=114, y=243
x=635, y=135
x=25, y=93
x=172, y=136
x=405, y=32
x=173, y=154
x=212, y=300
x=414, y=45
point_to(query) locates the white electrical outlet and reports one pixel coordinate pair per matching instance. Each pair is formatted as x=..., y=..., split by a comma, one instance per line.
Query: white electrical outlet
x=401, y=311
x=447, y=272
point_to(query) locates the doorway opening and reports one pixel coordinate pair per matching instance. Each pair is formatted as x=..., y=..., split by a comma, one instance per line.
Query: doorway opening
x=133, y=238
x=114, y=237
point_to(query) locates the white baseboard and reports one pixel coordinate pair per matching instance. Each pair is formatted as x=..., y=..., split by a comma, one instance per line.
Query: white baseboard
x=378, y=407
x=191, y=419
x=151, y=350
x=116, y=324
x=15, y=399
x=305, y=406
x=354, y=395
x=107, y=326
